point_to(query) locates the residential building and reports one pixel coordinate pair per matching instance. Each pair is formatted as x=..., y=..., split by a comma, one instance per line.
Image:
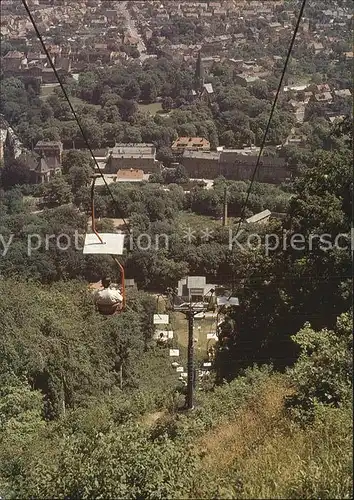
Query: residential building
x=13, y=61
x=51, y=151
x=343, y=93
x=135, y=156
x=241, y=167
x=323, y=97
x=43, y=165
x=323, y=87
x=190, y=144
x=194, y=288
x=295, y=138
x=199, y=74
x=12, y=146
x=300, y=113
x=36, y=57
x=335, y=119
x=44, y=170
x=233, y=165
x=201, y=164
x=318, y=46
x=245, y=79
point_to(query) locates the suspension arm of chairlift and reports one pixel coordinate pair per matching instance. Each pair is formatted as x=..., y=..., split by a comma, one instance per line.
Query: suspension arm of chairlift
x=94, y=177
x=122, y=279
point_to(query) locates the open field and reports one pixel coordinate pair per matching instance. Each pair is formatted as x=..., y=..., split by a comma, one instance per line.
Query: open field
x=152, y=108
x=201, y=328
x=47, y=90
x=76, y=101
x=198, y=222
x=194, y=221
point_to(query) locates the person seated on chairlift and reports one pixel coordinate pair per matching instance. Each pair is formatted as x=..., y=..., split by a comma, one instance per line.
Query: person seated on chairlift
x=107, y=299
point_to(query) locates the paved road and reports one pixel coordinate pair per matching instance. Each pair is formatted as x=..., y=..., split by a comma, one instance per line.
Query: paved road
x=131, y=27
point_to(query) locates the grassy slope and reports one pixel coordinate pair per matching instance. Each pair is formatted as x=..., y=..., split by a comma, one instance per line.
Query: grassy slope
x=262, y=454
x=197, y=222
x=249, y=448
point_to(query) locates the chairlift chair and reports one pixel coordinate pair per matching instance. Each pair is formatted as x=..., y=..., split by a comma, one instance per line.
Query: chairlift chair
x=106, y=244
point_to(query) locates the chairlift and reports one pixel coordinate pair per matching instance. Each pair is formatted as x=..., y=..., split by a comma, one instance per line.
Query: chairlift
x=106, y=244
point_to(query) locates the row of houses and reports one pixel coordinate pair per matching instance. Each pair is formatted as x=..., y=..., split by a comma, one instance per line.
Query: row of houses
x=195, y=156
x=204, y=10
x=92, y=32
x=324, y=95
x=35, y=64
x=137, y=161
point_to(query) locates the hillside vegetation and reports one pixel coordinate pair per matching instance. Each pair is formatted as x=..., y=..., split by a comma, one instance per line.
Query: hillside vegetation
x=239, y=443
x=67, y=428
x=90, y=407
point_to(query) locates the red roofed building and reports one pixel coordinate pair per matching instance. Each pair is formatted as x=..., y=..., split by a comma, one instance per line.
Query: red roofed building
x=322, y=88
x=130, y=175
x=190, y=143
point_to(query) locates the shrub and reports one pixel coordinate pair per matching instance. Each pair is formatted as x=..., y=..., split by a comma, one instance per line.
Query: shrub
x=324, y=370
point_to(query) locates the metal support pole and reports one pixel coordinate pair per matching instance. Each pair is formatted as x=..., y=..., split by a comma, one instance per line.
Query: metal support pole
x=224, y=216
x=63, y=392
x=190, y=385
x=122, y=273
x=93, y=208
x=121, y=376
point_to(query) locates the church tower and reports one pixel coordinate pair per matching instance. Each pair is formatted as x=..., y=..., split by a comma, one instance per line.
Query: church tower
x=199, y=75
